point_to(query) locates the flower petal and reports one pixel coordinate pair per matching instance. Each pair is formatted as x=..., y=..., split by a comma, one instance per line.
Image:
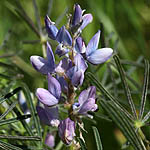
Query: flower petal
x=54, y=86
x=63, y=66
x=46, y=97
x=77, y=17
x=50, y=28
x=86, y=94
x=80, y=62
x=48, y=116
x=88, y=105
x=93, y=44
x=87, y=18
x=50, y=57
x=61, y=50
x=63, y=83
x=100, y=56
x=80, y=45
x=41, y=65
x=66, y=130
x=77, y=78
x=50, y=140
x=64, y=37
x=42, y=113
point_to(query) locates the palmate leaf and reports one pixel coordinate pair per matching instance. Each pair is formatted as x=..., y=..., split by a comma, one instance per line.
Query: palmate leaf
x=124, y=124
x=98, y=140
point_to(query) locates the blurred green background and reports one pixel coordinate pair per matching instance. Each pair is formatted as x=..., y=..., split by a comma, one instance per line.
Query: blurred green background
x=126, y=27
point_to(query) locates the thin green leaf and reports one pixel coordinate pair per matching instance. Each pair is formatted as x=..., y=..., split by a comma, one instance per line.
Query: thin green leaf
x=125, y=85
x=145, y=88
x=8, y=110
x=27, y=138
x=146, y=117
x=7, y=146
x=98, y=140
x=82, y=144
x=32, y=108
x=50, y=4
x=16, y=119
x=37, y=16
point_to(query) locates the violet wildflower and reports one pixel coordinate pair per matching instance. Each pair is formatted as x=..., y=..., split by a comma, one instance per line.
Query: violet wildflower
x=76, y=73
x=48, y=116
x=66, y=131
x=80, y=21
x=51, y=96
x=50, y=28
x=42, y=65
x=94, y=55
x=86, y=102
x=50, y=140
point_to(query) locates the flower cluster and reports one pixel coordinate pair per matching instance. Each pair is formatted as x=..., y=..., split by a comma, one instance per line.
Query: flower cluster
x=65, y=77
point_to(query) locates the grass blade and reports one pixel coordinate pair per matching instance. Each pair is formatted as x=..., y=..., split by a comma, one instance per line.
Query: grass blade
x=97, y=137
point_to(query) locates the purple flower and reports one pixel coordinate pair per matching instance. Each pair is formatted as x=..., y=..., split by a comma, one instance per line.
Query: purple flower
x=48, y=116
x=80, y=21
x=86, y=102
x=76, y=73
x=50, y=140
x=50, y=28
x=80, y=45
x=66, y=130
x=94, y=55
x=42, y=65
x=51, y=96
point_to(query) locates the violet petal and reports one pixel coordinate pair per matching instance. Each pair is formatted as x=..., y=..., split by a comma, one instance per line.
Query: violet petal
x=46, y=97
x=50, y=140
x=93, y=44
x=54, y=86
x=80, y=62
x=41, y=65
x=100, y=56
x=50, y=57
x=87, y=18
x=48, y=116
x=64, y=37
x=86, y=94
x=61, y=50
x=80, y=45
x=50, y=28
x=77, y=17
x=88, y=105
x=77, y=78
x=67, y=130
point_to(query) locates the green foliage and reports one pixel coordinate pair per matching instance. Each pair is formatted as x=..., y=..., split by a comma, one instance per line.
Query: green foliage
x=124, y=27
